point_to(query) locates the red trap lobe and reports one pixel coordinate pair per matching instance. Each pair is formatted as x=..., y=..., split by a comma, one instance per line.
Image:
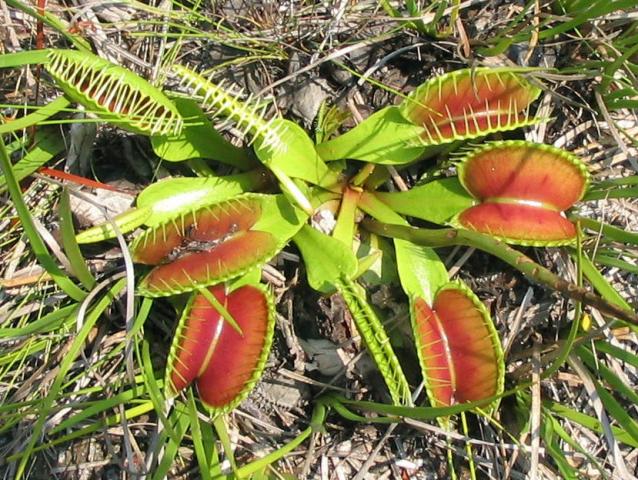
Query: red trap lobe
x=207, y=350
x=458, y=351
x=469, y=103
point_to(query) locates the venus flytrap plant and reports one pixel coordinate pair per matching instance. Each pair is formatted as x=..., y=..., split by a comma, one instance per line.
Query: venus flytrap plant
x=209, y=236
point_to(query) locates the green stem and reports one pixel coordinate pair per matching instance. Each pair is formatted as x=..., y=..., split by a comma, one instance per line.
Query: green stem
x=344, y=229
x=363, y=174
x=451, y=236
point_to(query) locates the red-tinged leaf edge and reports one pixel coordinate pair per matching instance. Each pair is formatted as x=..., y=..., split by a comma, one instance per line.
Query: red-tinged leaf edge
x=216, y=348
x=523, y=188
x=445, y=341
x=520, y=171
x=471, y=103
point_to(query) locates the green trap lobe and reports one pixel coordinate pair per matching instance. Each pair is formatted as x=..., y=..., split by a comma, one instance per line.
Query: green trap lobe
x=519, y=223
x=236, y=358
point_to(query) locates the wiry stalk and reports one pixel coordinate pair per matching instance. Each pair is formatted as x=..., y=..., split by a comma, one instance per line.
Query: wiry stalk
x=452, y=236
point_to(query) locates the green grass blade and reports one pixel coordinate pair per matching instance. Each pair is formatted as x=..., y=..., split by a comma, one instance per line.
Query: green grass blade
x=47, y=323
x=568, y=472
x=617, y=411
x=41, y=114
x=606, y=374
x=602, y=286
x=37, y=244
x=65, y=365
x=180, y=421
x=619, y=353
x=113, y=420
x=608, y=231
x=198, y=445
x=589, y=422
x=71, y=248
x=47, y=144
x=154, y=392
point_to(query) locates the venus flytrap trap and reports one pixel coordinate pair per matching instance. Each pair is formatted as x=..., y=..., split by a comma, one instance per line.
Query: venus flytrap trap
x=215, y=243
x=112, y=92
x=523, y=189
x=224, y=364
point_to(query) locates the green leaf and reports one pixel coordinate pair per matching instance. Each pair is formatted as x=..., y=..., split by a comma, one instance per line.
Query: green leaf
x=617, y=411
x=171, y=197
x=437, y=201
x=198, y=139
x=327, y=259
x=47, y=323
x=421, y=271
x=48, y=142
x=291, y=151
x=385, y=137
